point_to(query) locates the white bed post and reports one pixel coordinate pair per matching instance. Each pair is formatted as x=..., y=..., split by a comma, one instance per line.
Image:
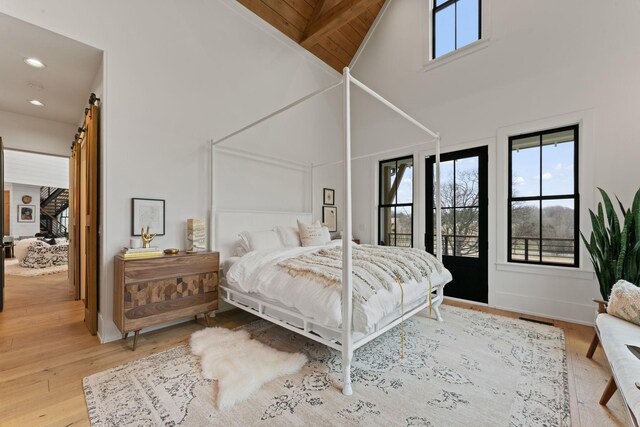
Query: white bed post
x=440, y=292
x=347, y=285
x=212, y=193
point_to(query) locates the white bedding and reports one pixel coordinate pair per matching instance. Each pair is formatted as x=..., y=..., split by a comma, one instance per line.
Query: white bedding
x=257, y=272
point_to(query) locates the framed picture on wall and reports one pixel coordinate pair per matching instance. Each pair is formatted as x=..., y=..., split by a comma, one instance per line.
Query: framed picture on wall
x=330, y=217
x=147, y=213
x=329, y=196
x=26, y=213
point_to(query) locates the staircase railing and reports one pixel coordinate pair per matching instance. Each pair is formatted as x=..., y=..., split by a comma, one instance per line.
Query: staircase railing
x=49, y=194
x=54, y=200
x=52, y=225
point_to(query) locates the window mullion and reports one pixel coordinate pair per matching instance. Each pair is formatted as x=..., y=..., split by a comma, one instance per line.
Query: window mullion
x=453, y=202
x=455, y=26
x=540, y=202
x=433, y=31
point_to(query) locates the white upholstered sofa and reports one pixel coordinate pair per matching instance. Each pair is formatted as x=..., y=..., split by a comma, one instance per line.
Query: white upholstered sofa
x=33, y=253
x=614, y=334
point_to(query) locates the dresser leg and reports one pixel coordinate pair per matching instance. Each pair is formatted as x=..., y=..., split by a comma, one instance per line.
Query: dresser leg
x=135, y=339
x=125, y=335
x=206, y=319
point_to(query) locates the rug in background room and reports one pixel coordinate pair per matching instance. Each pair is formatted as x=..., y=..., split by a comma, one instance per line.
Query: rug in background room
x=473, y=369
x=12, y=268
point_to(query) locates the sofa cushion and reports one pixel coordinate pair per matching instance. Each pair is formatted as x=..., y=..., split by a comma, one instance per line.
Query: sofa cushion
x=615, y=334
x=624, y=301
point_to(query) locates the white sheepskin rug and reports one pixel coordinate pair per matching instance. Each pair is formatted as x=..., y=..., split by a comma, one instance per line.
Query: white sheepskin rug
x=239, y=364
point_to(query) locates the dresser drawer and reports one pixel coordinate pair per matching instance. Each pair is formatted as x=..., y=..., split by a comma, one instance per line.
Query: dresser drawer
x=142, y=270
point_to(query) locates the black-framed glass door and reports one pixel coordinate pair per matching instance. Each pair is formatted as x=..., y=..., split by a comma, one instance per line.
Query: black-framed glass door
x=464, y=199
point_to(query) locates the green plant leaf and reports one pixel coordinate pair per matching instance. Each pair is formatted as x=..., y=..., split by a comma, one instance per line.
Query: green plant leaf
x=614, y=247
x=624, y=211
x=624, y=236
x=635, y=209
x=614, y=222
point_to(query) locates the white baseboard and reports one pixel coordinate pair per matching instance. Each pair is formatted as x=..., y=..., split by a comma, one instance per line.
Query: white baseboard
x=546, y=316
x=467, y=301
x=524, y=312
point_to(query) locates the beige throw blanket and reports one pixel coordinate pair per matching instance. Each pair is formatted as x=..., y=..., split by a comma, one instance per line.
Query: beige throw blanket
x=374, y=267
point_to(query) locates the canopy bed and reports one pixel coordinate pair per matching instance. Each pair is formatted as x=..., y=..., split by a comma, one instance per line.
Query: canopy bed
x=420, y=286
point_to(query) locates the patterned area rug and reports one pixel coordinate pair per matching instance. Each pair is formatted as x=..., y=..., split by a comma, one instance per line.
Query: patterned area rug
x=12, y=268
x=473, y=369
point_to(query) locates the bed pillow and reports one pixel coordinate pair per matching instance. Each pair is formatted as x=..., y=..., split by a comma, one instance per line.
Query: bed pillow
x=260, y=240
x=312, y=234
x=624, y=301
x=289, y=235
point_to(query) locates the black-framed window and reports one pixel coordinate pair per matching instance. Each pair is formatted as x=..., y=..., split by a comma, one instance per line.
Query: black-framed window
x=544, y=201
x=395, y=208
x=455, y=24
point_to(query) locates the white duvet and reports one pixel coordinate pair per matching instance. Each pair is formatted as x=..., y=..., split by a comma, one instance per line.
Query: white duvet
x=257, y=272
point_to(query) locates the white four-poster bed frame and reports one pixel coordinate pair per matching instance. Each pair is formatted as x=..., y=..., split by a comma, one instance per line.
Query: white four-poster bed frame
x=266, y=310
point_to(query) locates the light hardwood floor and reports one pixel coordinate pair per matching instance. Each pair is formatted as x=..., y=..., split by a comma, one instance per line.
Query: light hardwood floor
x=45, y=351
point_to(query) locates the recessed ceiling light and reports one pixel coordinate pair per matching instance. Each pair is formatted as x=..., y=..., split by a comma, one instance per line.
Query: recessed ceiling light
x=34, y=62
x=36, y=102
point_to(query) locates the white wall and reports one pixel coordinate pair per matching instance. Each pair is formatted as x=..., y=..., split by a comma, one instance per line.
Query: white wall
x=36, y=169
x=329, y=176
x=20, y=132
x=244, y=181
x=177, y=74
x=546, y=63
x=24, y=228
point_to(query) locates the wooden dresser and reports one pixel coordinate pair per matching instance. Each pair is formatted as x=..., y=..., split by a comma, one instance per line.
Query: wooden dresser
x=152, y=291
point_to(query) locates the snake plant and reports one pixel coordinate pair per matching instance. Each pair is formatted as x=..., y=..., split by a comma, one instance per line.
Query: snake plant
x=614, y=246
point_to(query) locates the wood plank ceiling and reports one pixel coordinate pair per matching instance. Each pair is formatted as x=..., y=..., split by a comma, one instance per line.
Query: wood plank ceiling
x=330, y=29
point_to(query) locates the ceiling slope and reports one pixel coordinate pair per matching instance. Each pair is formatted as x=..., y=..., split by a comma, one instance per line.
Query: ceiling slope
x=333, y=30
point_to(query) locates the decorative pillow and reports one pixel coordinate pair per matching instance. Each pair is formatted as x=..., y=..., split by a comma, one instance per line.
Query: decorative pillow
x=326, y=235
x=312, y=234
x=289, y=235
x=241, y=249
x=624, y=301
x=243, y=244
x=260, y=240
